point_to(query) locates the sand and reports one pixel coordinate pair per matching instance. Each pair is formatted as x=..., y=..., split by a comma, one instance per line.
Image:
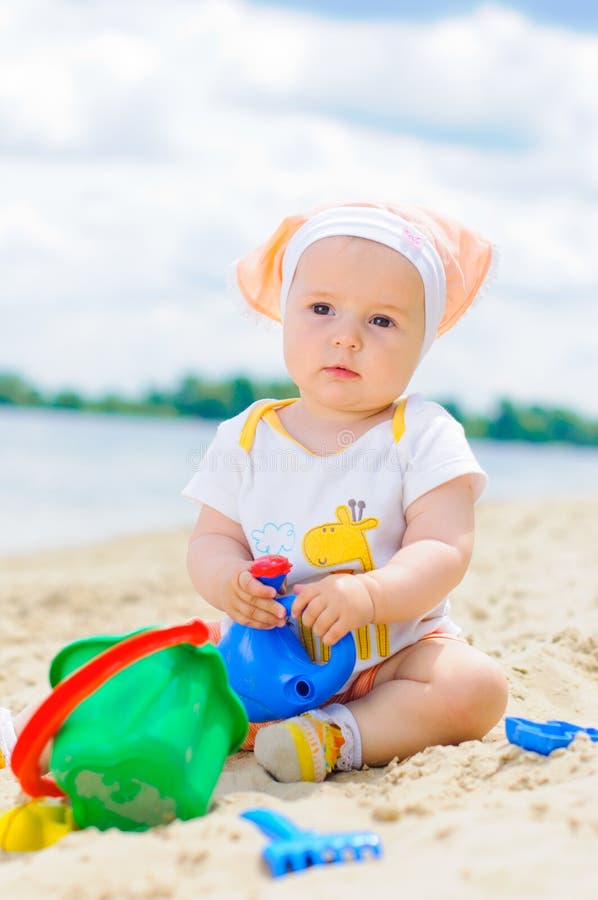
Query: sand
x=485, y=819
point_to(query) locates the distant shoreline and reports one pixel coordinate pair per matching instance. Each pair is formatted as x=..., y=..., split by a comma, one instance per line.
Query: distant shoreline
x=199, y=397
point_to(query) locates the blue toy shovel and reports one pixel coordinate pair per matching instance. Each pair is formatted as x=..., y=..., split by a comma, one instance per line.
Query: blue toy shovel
x=294, y=849
x=544, y=737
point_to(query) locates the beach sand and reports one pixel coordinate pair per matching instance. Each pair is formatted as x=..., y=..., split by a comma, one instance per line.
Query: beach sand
x=484, y=819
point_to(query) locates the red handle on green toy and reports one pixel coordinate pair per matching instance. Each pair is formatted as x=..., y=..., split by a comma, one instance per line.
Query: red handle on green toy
x=77, y=686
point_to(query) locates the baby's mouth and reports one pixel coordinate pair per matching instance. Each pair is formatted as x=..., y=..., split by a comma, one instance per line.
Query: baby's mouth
x=341, y=372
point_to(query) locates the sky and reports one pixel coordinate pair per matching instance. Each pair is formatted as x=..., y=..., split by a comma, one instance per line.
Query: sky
x=146, y=145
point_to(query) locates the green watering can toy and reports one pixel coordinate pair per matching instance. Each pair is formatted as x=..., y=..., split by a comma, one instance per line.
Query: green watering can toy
x=141, y=728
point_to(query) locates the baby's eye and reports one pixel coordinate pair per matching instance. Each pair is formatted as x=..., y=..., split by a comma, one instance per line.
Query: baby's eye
x=321, y=309
x=382, y=321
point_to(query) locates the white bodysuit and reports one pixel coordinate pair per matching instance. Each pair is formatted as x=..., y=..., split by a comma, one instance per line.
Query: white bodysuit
x=340, y=512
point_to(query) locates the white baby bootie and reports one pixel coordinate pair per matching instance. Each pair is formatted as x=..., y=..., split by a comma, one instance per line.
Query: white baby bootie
x=8, y=737
x=310, y=746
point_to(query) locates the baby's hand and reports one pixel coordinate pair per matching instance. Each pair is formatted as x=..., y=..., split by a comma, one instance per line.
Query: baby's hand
x=334, y=606
x=249, y=602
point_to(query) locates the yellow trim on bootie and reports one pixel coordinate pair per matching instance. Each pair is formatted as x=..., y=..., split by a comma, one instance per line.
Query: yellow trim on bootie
x=304, y=751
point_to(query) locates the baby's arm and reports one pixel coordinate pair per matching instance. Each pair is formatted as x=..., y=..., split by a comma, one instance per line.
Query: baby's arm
x=434, y=556
x=218, y=560
x=433, y=559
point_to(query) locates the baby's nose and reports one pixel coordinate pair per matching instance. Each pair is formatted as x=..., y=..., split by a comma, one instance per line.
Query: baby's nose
x=348, y=336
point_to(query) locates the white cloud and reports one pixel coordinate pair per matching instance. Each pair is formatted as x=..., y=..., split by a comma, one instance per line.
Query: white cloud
x=144, y=145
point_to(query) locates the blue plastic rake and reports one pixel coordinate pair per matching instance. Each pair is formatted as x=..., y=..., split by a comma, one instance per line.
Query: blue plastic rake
x=294, y=849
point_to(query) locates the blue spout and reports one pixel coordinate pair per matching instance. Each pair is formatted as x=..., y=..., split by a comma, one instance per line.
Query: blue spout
x=274, y=581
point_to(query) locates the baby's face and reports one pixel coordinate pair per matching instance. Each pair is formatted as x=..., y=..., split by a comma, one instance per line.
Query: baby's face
x=353, y=325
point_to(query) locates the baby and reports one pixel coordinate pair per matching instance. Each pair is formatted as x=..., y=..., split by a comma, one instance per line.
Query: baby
x=368, y=491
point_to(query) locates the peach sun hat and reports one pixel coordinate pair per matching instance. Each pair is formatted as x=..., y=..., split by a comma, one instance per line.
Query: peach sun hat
x=452, y=260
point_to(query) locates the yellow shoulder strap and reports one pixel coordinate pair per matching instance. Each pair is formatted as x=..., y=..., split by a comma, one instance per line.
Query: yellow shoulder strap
x=398, y=420
x=259, y=410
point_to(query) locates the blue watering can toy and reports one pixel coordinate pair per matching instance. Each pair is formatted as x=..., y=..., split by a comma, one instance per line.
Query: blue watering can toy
x=270, y=669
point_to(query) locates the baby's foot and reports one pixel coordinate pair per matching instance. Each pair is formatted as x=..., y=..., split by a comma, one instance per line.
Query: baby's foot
x=8, y=737
x=304, y=748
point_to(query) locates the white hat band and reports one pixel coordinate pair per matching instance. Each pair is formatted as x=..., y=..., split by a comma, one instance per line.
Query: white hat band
x=386, y=228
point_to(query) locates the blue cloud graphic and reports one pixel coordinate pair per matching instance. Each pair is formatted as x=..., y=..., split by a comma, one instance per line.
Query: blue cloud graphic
x=274, y=538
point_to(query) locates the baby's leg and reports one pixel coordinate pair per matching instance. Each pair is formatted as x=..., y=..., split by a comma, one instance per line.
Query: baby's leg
x=437, y=691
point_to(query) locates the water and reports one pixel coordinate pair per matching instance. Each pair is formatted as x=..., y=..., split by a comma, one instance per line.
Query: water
x=71, y=478
x=520, y=470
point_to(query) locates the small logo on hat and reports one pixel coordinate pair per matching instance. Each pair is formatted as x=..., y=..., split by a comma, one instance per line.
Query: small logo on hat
x=414, y=239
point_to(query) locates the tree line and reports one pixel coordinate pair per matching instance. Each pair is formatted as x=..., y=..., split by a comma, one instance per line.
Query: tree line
x=221, y=399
